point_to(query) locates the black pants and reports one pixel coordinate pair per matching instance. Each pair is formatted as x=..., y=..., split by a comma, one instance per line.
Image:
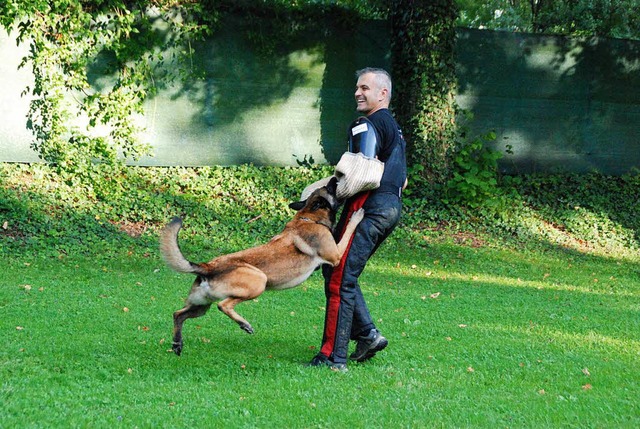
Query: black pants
x=347, y=316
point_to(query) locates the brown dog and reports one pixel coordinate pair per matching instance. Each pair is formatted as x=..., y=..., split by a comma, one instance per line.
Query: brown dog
x=286, y=261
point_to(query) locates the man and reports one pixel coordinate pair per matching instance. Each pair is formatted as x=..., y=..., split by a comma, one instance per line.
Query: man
x=378, y=136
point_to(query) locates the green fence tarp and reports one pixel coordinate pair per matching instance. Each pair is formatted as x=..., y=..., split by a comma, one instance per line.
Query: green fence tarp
x=556, y=104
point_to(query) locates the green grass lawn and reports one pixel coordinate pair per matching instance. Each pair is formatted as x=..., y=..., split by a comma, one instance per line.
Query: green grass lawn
x=479, y=337
x=525, y=317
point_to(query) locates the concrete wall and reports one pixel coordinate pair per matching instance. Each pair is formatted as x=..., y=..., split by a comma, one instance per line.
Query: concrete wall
x=559, y=104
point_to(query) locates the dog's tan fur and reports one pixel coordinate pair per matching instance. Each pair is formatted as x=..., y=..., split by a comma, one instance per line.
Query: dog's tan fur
x=284, y=262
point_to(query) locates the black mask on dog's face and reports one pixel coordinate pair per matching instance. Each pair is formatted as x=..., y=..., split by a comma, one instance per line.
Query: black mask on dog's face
x=324, y=197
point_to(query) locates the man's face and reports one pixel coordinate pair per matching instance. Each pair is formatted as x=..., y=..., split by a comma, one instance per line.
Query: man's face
x=369, y=96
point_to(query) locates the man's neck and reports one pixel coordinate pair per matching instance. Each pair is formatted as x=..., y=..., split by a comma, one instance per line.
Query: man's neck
x=371, y=112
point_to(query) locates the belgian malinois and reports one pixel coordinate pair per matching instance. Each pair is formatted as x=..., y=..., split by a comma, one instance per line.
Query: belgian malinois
x=284, y=262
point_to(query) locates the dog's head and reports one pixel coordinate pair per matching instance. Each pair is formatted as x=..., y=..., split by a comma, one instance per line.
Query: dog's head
x=321, y=198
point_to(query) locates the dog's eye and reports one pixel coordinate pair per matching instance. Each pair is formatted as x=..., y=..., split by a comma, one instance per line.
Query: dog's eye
x=320, y=204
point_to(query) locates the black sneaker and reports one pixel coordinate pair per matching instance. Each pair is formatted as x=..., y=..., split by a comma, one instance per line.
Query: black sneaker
x=322, y=360
x=368, y=346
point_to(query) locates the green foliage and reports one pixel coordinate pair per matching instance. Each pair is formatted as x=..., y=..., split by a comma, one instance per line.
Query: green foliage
x=596, y=210
x=42, y=212
x=423, y=43
x=226, y=208
x=474, y=180
x=576, y=18
x=95, y=62
x=79, y=122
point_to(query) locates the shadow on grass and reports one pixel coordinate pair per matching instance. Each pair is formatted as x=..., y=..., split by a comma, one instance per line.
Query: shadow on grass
x=564, y=291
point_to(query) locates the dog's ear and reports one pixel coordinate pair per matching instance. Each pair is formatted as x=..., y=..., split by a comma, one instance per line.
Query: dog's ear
x=298, y=205
x=332, y=186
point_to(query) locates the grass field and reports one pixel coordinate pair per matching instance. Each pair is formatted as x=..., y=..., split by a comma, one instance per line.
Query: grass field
x=479, y=337
x=525, y=318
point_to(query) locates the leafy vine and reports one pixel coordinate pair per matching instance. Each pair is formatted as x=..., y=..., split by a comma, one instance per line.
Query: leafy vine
x=84, y=127
x=423, y=44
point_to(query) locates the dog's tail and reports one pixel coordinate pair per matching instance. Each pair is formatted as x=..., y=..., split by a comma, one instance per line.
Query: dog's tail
x=171, y=250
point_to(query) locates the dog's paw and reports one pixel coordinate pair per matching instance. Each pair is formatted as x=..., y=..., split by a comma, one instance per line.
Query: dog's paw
x=357, y=216
x=247, y=328
x=177, y=348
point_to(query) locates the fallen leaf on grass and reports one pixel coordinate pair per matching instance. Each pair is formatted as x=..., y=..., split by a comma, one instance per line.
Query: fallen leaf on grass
x=19, y=328
x=434, y=295
x=586, y=372
x=587, y=387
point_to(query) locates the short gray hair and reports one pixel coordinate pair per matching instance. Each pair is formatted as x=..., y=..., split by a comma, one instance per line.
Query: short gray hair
x=383, y=78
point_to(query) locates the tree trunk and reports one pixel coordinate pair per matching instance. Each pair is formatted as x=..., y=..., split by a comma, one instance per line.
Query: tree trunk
x=423, y=63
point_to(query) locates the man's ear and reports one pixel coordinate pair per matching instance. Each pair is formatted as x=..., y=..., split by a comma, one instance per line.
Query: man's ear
x=384, y=93
x=298, y=205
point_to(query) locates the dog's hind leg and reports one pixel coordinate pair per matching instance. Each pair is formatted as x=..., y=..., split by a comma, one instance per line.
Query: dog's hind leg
x=227, y=307
x=244, y=283
x=188, y=312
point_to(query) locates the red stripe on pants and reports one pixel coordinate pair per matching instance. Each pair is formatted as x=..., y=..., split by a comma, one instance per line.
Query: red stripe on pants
x=335, y=281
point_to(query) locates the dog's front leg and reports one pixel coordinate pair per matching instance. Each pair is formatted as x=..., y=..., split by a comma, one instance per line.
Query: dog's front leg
x=354, y=220
x=188, y=312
